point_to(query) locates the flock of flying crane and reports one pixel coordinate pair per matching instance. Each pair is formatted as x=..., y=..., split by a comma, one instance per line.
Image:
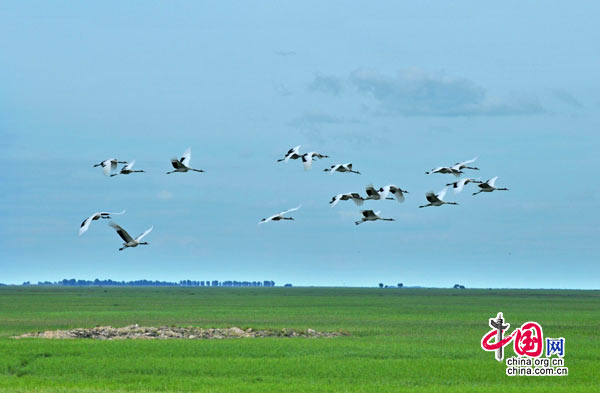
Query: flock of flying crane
x=183, y=165
x=384, y=192
x=179, y=164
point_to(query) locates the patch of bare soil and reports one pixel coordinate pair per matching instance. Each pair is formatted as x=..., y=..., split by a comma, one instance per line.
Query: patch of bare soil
x=170, y=332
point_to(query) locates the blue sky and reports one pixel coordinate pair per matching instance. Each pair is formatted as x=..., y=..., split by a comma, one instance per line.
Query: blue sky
x=396, y=89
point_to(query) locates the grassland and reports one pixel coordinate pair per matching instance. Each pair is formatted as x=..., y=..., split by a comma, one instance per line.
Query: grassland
x=409, y=340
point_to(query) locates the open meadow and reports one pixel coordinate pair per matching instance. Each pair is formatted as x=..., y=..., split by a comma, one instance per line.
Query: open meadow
x=401, y=340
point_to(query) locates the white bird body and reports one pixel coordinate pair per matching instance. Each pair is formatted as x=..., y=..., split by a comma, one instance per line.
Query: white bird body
x=280, y=216
x=370, y=215
x=127, y=169
x=183, y=164
x=96, y=216
x=489, y=186
x=307, y=159
x=437, y=199
x=355, y=196
x=109, y=165
x=396, y=191
x=129, y=241
x=292, y=154
x=341, y=168
x=460, y=184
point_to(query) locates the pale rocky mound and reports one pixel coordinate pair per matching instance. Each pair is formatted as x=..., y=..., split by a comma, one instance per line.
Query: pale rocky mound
x=169, y=332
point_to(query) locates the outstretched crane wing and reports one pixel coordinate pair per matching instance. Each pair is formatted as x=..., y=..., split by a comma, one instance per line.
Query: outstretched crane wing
x=121, y=232
x=186, y=157
x=140, y=237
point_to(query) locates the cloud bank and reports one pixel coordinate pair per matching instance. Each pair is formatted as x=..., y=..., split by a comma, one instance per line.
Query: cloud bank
x=326, y=84
x=417, y=93
x=567, y=98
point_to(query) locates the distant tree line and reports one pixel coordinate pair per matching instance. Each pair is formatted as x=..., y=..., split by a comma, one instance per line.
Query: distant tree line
x=399, y=285
x=149, y=283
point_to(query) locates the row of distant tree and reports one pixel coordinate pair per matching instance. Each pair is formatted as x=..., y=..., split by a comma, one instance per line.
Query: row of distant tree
x=400, y=285
x=149, y=283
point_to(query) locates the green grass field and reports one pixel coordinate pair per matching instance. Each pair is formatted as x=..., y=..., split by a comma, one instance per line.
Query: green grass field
x=407, y=340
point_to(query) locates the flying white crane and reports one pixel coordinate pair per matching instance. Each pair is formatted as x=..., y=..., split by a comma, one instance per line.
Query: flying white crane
x=355, y=196
x=341, y=168
x=489, y=186
x=396, y=191
x=372, y=193
x=129, y=241
x=460, y=184
x=126, y=170
x=292, y=154
x=437, y=199
x=369, y=215
x=455, y=169
x=445, y=170
x=183, y=164
x=96, y=216
x=307, y=159
x=280, y=216
x=459, y=166
x=109, y=165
